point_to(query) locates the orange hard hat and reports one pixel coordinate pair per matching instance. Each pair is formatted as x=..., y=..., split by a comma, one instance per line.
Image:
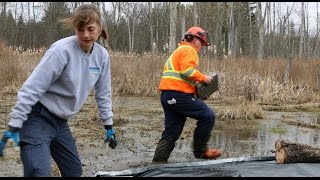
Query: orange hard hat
x=198, y=32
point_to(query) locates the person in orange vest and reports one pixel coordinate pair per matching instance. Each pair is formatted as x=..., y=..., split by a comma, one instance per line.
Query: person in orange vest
x=179, y=101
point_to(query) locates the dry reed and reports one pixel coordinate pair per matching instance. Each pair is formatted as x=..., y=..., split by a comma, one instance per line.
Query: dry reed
x=240, y=80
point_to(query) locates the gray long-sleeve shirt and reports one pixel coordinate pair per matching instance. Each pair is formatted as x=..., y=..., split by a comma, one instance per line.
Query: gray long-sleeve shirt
x=63, y=80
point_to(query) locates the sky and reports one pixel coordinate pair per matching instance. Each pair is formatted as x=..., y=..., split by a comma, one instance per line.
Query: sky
x=296, y=12
x=295, y=15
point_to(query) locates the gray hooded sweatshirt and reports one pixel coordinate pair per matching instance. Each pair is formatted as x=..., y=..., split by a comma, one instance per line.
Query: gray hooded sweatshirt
x=63, y=80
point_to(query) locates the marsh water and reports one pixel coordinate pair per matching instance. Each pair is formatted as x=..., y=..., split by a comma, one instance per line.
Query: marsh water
x=248, y=138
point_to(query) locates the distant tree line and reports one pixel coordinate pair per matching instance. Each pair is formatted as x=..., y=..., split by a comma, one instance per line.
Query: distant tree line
x=236, y=29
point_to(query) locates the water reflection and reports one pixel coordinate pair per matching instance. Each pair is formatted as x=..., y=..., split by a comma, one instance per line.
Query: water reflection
x=257, y=138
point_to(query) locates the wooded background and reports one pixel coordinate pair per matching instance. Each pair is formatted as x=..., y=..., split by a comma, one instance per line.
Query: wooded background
x=236, y=29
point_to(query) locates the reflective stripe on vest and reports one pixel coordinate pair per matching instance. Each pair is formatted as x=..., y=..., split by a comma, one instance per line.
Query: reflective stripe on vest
x=171, y=73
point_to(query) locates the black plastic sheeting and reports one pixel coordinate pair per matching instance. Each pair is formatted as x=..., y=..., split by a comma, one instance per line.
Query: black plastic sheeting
x=231, y=167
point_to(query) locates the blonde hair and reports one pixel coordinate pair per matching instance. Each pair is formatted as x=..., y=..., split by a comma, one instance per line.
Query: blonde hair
x=84, y=15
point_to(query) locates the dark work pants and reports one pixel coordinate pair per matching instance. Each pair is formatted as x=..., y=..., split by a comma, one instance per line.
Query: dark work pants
x=176, y=114
x=43, y=136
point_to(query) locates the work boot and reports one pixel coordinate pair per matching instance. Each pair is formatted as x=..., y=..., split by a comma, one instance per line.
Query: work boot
x=211, y=154
x=201, y=150
x=163, y=151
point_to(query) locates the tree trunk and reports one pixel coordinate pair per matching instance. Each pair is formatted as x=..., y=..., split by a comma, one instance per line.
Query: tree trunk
x=153, y=44
x=129, y=33
x=290, y=152
x=274, y=51
x=29, y=31
x=261, y=32
x=306, y=30
x=318, y=77
x=16, y=43
x=173, y=22
x=287, y=70
x=132, y=36
x=301, y=31
x=231, y=30
x=316, y=46
x=250, y=31
x=34, y=29
x=195, y=14
x=268, y=29
x=183, y=21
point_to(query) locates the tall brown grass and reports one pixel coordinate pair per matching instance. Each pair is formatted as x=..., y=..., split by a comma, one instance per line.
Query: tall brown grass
x=239, y=80
x=136, y=75
x=14, y=69
x=262, y=81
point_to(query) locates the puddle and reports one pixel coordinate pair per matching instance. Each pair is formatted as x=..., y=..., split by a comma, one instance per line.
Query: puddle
x=258, y=138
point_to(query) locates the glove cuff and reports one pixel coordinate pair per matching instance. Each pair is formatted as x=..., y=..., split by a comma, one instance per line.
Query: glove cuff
x=107, y=127
x=13, y=129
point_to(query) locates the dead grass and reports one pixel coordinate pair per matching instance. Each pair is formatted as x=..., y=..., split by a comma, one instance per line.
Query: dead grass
x=243, y=83
x=14, y=69
x=242, y=110
x=307, y=107
x=263, y=81
x=136, y=75
x=301, y=123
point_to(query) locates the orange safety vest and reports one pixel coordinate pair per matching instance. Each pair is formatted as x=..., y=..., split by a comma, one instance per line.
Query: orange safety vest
x=179, y=71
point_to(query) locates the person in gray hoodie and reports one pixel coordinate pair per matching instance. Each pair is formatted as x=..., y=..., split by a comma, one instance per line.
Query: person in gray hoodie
x=55, y=91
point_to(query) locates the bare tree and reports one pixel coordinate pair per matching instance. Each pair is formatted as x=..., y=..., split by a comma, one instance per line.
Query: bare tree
x=149, y=26
x=301, y=33
x=316, y=46
x=261, y=32
x=195, y=14
x=268, y=27
x=152, y=41
x=250, y=30
x=219, y=31
x=132, y=13
x=15, y=39
x=306, y=36
x=284, y=27
x=231, y=30
x=289, y=56
x=183, y=20
x=173, y=22
x=29, y=20
x=274, y=28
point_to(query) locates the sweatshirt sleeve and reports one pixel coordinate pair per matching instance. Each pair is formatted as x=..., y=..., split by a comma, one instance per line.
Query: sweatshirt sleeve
x=46, y=72
x=103, y=93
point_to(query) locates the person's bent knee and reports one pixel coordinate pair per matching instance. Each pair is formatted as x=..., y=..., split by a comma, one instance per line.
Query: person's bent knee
x=210, y=116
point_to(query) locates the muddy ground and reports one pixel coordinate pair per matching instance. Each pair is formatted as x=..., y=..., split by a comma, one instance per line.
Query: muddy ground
x=138, y=123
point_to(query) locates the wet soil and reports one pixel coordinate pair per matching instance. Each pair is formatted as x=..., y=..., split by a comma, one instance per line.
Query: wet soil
x=138, y=122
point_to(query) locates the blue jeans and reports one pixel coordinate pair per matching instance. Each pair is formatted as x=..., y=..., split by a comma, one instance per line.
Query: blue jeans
x=43, y=136
x=187, y=105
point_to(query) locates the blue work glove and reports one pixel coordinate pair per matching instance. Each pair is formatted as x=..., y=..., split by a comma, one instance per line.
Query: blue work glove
x=11, y=133
x=2, y=145
x=111, y=136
